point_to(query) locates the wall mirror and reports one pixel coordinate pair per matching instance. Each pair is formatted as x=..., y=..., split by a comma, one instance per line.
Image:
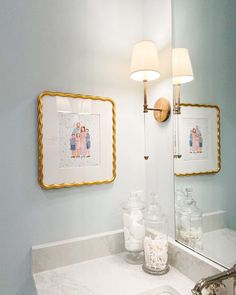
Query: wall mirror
x=205, y=162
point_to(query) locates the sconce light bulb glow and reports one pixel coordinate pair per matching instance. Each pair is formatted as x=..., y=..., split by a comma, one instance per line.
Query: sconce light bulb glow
x=145, y=64
x=182, y=80
x=144, y=75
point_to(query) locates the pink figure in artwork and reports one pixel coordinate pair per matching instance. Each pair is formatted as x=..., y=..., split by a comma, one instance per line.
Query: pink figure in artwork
x=194, y=146
x=195, y=140
x=78, y=144
x=83, y=149
x=200, y=140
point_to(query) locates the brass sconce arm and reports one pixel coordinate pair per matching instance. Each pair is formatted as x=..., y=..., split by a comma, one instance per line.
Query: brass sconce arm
x=161, y=108
x=146, y=109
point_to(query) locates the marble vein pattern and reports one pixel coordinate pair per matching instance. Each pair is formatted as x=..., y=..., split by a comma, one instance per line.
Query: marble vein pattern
x=109, y=275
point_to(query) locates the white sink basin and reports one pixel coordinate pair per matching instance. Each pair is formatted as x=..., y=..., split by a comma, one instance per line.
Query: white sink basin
x=162, y=290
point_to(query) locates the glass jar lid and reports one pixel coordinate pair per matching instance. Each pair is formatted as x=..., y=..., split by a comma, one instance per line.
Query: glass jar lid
x=135, y=201
x=190, y=205
x=153, y=212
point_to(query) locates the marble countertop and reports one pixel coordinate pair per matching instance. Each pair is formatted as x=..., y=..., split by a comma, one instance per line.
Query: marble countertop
x=109, y=275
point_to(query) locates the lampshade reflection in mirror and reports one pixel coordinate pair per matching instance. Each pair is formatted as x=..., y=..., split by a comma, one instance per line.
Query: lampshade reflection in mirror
x=182, y=73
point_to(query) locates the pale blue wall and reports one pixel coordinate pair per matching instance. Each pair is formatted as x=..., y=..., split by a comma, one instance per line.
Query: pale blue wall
x=73, y=46
x=80, y=46
x=207, y=28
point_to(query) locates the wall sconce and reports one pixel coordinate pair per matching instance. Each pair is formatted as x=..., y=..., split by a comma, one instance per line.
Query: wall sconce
x=145, y=67
x=182, y=73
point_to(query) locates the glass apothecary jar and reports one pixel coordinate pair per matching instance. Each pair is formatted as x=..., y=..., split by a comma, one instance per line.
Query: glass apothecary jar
x=190, y=232
x=156, y=239
x=134, y=229
x=179, y=204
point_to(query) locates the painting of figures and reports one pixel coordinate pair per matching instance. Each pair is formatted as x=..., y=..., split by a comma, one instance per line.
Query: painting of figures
x=194, y=138
x=197, y=140
x=79, y=139
x=76, y=140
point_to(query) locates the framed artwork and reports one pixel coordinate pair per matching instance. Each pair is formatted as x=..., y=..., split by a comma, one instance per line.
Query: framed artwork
x=76, y=140
x=198, y=140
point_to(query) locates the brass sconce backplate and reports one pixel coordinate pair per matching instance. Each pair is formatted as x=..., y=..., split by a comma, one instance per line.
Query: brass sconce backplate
x=163, y=109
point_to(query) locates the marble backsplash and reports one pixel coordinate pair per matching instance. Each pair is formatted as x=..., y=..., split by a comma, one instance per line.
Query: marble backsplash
x=52, y=255
x=62, y=253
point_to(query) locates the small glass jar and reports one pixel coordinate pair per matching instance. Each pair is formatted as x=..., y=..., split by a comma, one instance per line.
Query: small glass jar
x=156, y=240
x=190, y=232
x=134, y=229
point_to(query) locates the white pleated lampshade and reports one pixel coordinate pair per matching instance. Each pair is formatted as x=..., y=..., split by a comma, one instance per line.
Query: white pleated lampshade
x=182, y=68
x=145, y=64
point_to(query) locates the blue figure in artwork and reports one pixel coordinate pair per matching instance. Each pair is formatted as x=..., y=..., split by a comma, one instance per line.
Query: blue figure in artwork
x=191, y=141
x=77, y=128
x=88, y=143
x=73, y=145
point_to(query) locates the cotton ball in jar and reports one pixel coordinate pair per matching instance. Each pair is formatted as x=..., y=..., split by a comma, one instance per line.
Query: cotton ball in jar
x=136, y=215
x=137, y=231
x=135, y=245
x=127, y=220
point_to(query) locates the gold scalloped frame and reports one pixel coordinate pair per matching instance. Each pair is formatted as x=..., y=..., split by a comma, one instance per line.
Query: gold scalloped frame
x=218, y=140
x=40, y=139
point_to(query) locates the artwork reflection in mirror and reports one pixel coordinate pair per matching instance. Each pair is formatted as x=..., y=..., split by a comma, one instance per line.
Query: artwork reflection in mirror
x=205, y=144
x=198, y=140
